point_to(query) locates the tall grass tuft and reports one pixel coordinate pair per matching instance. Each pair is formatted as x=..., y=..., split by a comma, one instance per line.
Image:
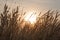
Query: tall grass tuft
x=47, y=26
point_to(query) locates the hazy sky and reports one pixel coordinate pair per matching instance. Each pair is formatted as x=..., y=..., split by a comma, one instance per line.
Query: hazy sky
x=42, y=4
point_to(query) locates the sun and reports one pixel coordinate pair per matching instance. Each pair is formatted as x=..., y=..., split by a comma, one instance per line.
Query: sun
x=30, y=17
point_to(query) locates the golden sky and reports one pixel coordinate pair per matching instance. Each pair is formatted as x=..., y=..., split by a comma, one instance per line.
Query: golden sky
x=33, y=4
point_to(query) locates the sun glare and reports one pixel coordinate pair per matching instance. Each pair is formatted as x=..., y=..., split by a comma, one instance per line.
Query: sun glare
x=30, y=17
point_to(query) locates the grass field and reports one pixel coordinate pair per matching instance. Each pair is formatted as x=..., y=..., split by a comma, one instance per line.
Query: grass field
x=13, y=27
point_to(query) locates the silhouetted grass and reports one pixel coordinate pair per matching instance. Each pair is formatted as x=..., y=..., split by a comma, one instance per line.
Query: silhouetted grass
x=47, y=26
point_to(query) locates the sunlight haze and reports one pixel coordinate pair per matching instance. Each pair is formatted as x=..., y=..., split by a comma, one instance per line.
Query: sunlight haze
x=41, y=4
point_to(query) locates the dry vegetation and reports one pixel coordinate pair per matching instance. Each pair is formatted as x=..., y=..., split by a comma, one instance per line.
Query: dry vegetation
x=47, y=26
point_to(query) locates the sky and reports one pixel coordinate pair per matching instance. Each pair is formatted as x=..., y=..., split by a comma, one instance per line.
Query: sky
x=33, y=4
